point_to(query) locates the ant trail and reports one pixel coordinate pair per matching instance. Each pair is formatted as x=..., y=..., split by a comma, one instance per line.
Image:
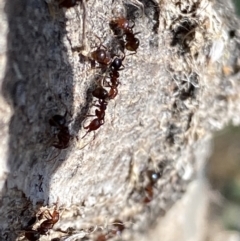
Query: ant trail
x=45, y=226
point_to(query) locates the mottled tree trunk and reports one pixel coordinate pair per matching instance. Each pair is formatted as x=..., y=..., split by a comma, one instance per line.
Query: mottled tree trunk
x=180, y=86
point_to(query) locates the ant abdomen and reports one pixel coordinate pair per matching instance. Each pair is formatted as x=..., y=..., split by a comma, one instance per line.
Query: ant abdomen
x=132, y=43
x=94, y=125
x=100, y=93
x=101, y=56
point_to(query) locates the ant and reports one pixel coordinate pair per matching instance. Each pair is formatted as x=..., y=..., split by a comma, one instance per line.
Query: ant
x=34, y=235
x=149, y=193
x=132, y=43
x=101, y=55
x=153, y=177
x=49, y=223
x=121, y=24
x=118, y=227
x=114, y=75
x=63, y=135
x=102, y=95
x=116, y=64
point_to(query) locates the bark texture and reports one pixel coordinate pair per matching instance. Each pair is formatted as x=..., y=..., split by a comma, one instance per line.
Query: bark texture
x=180, y=86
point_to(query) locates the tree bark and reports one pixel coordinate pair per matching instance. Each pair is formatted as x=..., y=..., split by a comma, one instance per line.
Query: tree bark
x=180, y=86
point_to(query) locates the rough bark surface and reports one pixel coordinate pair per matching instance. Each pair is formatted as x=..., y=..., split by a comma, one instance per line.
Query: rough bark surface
x=180, y=86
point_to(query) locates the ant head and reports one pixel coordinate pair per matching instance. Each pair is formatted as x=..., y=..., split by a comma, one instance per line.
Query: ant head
x=153, y=176
x=116, y=64
x=57, y=120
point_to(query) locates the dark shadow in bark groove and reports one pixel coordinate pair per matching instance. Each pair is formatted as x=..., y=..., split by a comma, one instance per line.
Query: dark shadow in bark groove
x=37, y=83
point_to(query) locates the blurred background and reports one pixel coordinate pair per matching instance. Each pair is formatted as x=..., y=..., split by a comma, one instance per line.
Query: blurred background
x=210, y=210
x=237, y=6
x=223, y=174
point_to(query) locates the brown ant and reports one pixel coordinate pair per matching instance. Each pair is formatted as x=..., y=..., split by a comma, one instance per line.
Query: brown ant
x=118, y=227
x=115, y=66
x=153, y=177
x=114, y=84
x=113, y=92
x=121, y=24
x=124, y=25
x=149, y=193
x=132, y=43
x=49, y=223
x=63, y=135
x=34, y=235
x=114, y=75
x=102, y=95
x=101, y=55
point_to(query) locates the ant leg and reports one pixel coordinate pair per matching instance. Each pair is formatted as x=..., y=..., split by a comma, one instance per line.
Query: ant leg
x=94, y=135
x=87, y=143
x=132, y=53
x=55, y=156
x=85, y=133
x=41, y=215
x=133, y=23
x=56, y=204
x=101, y=44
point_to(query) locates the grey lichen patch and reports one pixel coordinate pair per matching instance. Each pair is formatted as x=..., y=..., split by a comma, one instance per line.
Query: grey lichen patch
x=180, y=86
